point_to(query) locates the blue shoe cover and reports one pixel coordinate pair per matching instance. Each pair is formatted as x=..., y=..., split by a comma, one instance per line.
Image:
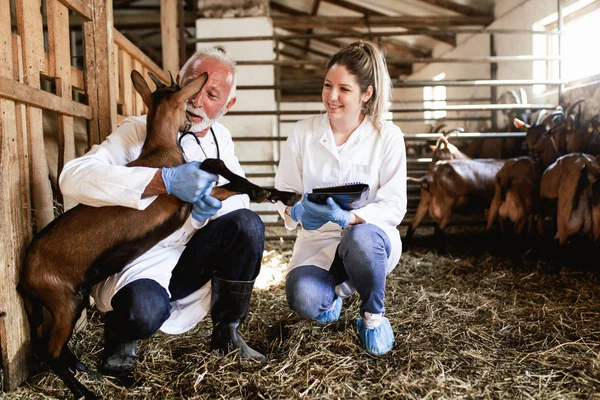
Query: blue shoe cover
x=376, y=341
x=331, y=315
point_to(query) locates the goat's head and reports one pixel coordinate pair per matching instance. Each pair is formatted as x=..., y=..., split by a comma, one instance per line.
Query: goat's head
x=539, y=134
x=168, y=101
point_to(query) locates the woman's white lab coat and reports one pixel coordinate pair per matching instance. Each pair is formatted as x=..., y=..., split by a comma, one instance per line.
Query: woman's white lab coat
x=311, y=158
x=100, y=178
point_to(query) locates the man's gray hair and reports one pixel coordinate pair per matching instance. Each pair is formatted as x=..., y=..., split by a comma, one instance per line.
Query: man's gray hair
x=215, y=54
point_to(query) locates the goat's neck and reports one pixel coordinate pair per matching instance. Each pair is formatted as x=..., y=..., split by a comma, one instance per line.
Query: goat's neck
x=550, y=153
x=161, y=135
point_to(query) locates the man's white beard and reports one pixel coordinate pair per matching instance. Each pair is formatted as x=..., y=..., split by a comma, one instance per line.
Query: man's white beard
x=206, y=123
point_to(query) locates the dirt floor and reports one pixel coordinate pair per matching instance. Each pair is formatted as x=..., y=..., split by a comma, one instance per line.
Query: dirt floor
x=485, y=318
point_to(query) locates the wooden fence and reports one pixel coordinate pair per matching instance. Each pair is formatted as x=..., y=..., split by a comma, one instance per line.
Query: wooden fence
x=27, y=200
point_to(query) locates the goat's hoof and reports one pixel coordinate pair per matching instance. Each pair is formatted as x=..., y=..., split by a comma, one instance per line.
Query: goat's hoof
x=287, y=198
x=259, y=195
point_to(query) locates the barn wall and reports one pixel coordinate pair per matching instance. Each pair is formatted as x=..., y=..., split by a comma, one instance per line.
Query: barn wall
x=510, y=14
x=247, y=100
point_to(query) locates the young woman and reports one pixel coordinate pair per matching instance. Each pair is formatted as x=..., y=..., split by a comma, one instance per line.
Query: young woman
x=338, y=252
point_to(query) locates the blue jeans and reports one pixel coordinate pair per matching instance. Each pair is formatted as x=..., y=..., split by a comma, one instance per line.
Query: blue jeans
x=230, y=247
x=361, y=257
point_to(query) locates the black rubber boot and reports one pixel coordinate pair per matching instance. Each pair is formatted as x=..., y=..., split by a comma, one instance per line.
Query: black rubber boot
x=119, y=358
x=229, y=304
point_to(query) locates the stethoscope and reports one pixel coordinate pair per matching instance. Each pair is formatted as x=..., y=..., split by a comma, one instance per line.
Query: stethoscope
x=198, y=142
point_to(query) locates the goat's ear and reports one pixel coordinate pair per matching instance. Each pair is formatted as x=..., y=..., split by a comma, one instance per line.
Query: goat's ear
x=520, y=124
x=433, y=148
x=141, y=86
x=192, y=88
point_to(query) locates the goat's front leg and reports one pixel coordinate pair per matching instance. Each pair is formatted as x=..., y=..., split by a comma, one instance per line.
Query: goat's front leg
x=238, y=184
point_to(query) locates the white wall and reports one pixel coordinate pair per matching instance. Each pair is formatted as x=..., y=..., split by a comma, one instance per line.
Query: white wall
x=248, y=100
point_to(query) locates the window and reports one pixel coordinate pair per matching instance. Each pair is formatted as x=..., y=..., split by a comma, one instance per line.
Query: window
x=581, y=24
x=434, y=97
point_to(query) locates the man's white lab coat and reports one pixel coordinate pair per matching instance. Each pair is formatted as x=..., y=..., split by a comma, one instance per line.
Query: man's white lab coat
x=100, y=178
x=311, y=158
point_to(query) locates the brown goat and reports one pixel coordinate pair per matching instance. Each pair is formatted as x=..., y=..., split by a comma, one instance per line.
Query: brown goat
x=571, y=181
x=455, y=185
x=57, y=276
x=517, y=184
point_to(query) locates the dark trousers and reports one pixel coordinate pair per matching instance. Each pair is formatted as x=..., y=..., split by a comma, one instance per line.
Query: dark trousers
x=229, y=247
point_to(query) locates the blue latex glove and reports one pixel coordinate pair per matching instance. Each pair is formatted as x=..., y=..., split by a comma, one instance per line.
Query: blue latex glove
x=376, y=341
x=187, y=181
x=296, y=212
x=205, y=207
x=316, y=215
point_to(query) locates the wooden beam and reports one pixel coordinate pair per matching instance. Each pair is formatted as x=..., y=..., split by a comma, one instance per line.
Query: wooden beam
x=133, y=51
x=458, y=8
x=20, y=92
x=60, y=61
x=449, y=39
x=399, y=49
x=304, y=22
x=29, y=27
x=15, y=349
x=314, y=11
x=169, y=36
x=154, y=54
x=303, y=48
x=98, y=41
x=80, y=7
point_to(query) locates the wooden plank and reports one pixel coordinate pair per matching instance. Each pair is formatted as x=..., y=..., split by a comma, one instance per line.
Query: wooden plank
x=59, y=57
x=81, y=7
x=14, y=332
x=116, y=75
x=16, y=91
x=127, y=85
x=77, y=80
x=458, y=8
x=30, y=28
x=305, y=22
x=90, y=82
x=127, y=46
x=139, y=103
x=121, y=75
x=169, y=36
x=22, y=138
x=103, y=47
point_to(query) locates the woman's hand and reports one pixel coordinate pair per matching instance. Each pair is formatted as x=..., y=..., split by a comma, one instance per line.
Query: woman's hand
x=316, y=215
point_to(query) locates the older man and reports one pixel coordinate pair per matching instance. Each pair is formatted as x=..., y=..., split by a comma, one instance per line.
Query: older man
x=209, y=263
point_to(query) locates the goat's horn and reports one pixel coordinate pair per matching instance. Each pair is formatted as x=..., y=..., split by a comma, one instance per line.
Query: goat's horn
x=571, y=108
x=155, y=79
x=514, y=95
x=455, y=130
x=523, y=95
x=439, y=128
x=173, y=82
x=541, y=115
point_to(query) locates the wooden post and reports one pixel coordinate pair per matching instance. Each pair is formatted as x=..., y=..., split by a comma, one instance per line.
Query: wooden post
x=98, y=43
x=29, y=27
x=170, y=35
x=14, y=207
x=60, y=67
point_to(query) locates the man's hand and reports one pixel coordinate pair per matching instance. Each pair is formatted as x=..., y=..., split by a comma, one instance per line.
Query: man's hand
x=187, y=181
x=316, y=215
x=205, y=207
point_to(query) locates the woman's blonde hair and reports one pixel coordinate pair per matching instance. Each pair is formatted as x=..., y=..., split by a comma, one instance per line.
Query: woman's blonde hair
x=364, y=60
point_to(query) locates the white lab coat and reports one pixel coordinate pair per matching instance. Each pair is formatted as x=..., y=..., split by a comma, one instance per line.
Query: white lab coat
x=100, y=178
x=310, y=158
